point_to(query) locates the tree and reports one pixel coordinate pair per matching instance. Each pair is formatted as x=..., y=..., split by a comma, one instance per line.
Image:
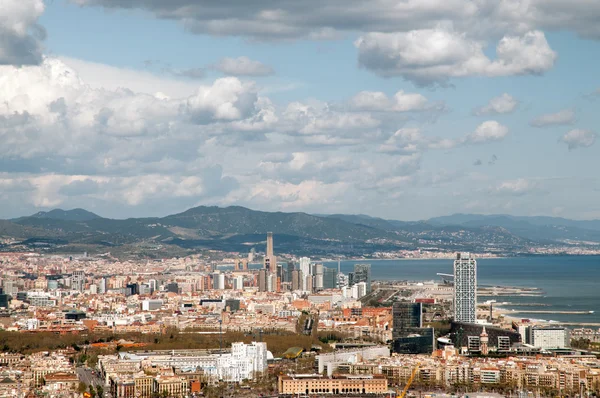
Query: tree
x=82, y=387
x=100, y=391
x=92, y=390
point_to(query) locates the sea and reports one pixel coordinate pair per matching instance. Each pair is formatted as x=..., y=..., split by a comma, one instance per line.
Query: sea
x=567, y=283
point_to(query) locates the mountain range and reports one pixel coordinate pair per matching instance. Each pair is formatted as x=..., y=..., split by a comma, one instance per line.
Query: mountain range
x=239, y=229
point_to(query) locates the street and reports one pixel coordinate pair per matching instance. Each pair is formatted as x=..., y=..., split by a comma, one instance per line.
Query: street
x=89, y=377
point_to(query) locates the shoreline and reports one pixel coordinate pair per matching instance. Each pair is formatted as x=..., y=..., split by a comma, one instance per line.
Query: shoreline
x=478, y=256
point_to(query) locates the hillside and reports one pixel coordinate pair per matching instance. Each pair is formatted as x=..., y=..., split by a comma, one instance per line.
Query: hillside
x=237, y=228
x=541, y=229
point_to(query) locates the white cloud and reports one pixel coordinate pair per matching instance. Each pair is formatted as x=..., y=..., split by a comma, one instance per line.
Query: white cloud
x=227, y=99
x=49, y=114
x=379, y=101
x=304, y=196
x=321, y=124
x=435, y=55
x=504, y=103
x=487, y=132
x=20, y=33
x=243, y=66
x=563, y=117
x=514, y=187
x=102, y=76
x=318, y=20
x=579, y=138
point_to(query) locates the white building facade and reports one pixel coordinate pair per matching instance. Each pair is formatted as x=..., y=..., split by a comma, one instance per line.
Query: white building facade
x=465, y=288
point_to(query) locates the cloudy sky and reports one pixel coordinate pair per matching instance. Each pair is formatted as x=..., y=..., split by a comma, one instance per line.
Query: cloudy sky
x=403, y=109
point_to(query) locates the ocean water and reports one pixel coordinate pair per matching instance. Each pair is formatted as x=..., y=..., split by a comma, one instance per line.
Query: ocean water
x=568, y=283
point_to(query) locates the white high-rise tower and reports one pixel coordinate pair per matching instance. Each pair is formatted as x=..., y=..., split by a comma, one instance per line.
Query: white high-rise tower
x=465, y=288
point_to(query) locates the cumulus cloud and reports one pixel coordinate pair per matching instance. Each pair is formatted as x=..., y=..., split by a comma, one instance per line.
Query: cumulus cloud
x=563, y=117
x=487, y=132
x=435, y=55
x=318, y=123
x=20, y=34
x=579, y=138
x=48, y=112
x=243, y=66
x=504, y=103
x=226, y=99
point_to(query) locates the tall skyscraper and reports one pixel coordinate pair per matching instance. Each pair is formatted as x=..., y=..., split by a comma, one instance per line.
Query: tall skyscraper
x=465, y=288
x=269, y=244
x=270, y=262
x=297, y=280
x=318, y=276
x=362, y=273
x=305, y=266
x=291, y=267
x=263, y=280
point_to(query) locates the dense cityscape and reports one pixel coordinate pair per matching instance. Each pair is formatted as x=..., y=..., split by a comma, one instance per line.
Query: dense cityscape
x=192, y=326
x=299, y=199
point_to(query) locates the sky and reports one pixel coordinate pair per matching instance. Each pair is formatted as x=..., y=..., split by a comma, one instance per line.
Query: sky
x=401, y=109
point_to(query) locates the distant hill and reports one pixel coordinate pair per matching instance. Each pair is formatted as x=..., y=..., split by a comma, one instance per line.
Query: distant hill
x=538, y=228
x=237, y=228
x=66, y=215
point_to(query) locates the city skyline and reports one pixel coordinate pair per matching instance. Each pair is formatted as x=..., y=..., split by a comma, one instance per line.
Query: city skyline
x=403, y=111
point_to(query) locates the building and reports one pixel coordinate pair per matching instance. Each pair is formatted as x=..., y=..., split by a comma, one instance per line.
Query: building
x=304, y=266
x=151, y=305
x=409, y=335
x=415, y=341
x=297, y=280
x=270, y=261
x=232, y=304
x=484, y=340
x=4, y=300
x=291, y=267
x=263, y=280
x=549, y=337
x=463, y=333
x=238, y=283
x=294, y=385
x=362, y=273
x=330, y=276
x=171, y=386
x=465, y=288
x=329, y=362
x=245, y=361
x=172, y=287
x=78, y=280
x=406, y=315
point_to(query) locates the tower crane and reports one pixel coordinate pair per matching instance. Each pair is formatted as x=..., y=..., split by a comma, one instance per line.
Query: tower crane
x=409, y=382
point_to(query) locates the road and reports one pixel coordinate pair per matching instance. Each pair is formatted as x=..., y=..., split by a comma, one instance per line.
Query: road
x=89, y=376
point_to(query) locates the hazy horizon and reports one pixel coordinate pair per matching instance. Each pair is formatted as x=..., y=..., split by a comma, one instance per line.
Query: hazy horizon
x=401, y=110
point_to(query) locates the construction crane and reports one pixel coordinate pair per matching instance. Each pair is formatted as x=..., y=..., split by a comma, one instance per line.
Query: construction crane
x=412, y=378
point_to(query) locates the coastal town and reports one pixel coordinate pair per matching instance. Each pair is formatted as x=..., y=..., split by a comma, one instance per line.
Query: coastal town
x=225, y=324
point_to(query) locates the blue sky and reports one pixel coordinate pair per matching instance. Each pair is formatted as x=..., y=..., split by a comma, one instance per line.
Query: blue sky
x=403, y=110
